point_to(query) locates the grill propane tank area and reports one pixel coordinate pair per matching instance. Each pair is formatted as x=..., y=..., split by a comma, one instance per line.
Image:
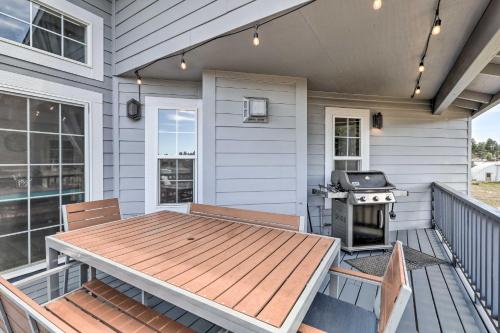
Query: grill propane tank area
x=362, y=204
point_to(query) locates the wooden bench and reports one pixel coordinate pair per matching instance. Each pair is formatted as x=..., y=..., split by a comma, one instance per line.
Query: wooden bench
x=281, y=221
x=95, y=307
x=328, y=314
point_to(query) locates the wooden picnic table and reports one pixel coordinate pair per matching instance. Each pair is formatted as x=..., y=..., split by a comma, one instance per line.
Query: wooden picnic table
x=243, y=277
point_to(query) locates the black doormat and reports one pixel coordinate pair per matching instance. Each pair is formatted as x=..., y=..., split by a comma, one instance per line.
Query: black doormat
x=376, y=265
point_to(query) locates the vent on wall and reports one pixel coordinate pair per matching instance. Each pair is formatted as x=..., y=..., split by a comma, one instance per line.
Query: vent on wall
x=255, y=110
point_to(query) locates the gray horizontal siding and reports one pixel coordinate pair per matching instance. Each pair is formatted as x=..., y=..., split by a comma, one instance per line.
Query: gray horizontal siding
x=414, y=148
x=102, y=8
x=149, y=29
x=130, y=137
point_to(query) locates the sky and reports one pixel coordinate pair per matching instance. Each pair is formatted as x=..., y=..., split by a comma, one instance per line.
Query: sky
x=487, y=125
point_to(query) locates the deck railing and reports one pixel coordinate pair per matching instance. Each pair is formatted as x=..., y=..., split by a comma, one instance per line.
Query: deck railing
x=471, y=230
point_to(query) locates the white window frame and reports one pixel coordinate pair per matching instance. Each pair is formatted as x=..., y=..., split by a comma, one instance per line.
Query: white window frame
x=92, y=69
x=330, y=114
x=151, y=157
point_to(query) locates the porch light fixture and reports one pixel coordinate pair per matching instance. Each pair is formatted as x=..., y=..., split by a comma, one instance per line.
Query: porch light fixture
x=377, y=120
x=377, y=4
x=134, y=109
x=255, y=110
x=183, y=63
x=256, y=40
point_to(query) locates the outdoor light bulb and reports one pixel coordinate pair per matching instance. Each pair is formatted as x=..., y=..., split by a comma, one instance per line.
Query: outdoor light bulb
x=421, y=67
x=183, y=64
x=139, y=80
x=256, y=40
x=436, y=29
x=377, y=4
x=417, y=90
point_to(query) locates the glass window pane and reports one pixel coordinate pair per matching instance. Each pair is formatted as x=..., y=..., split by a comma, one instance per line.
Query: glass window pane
x=44, y=212
x=17, y=8
x=168, y=185
x=73, y=179
x=72, y=198
x=44, y=148
x=13, y=182
x=44, y=180
x=185, y=170
x=14, y=30
x=340, y=165
x=167, y=120
x=13, y=251
x=168, y=170
x=354, y=127
x=185, y=191
x=340, y=147
x=340, y=126
x=74, y=30
x=186, y=144
x=72, y=119
x=167, y=144
x=47, y=41
x=73, y=148
x=13, y=217
x=38, y=243
x=44, y=18
x=44, y=116
x=353, y=165
x=186, y=121
x=354, y=147
x=13, y=147
x=74, y=50
x=12, y=112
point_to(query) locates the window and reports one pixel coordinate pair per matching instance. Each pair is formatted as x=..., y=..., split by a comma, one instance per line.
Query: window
x=54, y=33
x=171, y=153
x=42, y=165
x=32, y=24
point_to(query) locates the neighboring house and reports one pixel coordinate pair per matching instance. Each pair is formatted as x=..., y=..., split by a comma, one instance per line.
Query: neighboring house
x=486, y=172
x=67, y=72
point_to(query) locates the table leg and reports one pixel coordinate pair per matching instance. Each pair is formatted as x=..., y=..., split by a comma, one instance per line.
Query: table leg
x=84, y=273
x=334, y=278
x=52, y=280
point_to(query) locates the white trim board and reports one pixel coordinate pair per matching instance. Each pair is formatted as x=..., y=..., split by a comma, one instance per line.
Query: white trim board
x=152, y=104
x=93, y=103
x=93, y=69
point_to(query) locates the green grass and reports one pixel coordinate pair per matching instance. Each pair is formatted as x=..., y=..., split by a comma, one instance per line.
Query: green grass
x=487, y=192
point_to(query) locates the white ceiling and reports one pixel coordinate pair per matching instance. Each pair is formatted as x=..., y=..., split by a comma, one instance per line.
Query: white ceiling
x=344, y=46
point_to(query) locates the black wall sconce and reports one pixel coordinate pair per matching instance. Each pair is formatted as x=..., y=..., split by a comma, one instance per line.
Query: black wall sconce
x=134, y=109
x=378, y=121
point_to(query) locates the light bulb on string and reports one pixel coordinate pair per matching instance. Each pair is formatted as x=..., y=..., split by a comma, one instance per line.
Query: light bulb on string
x=377, y=4
x=183, y=63
x=421, y=67
x=436, y=28
x=256, y=40
x=417, y=90
x=138, y=78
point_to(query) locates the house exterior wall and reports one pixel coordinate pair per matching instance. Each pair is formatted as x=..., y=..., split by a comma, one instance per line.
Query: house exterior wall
x=147, y=30
x=129, y=134
x=101, y=8
x=414, y=148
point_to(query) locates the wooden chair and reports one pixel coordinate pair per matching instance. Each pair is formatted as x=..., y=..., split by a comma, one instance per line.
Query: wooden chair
x=90, y=213
x=328, y=314
x=281, y=221
x=95, y=307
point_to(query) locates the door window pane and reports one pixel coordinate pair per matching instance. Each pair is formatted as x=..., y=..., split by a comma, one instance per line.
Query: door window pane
x=14, y=30
x=44, y=116
x=38, y=243
x=167, y=144
x=44, y=148
x=72, y=149
x=74, y=30
x=340, y=127
x=186, y=121
x=13, y=182
x=353, y=147
x=176, y=180
x=73, y=179
x=186, y=144
x=340, y=147
x=167, y=121
x=354, y=127
x=13, y=112
x=72, y=119
x=352, y=165
x=72, y=198
x=44, y=180
x=13, y=147
x=18, y=8
x=47, y=41
x=13, y=217
x=74, y=50
x=13, y=251
x=44, y=212
x=44, y=18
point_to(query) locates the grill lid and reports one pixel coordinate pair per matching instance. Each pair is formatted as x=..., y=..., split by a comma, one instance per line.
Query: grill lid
x=360, y=180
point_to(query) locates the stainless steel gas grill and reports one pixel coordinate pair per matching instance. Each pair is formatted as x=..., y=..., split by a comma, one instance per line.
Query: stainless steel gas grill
x=362, y=204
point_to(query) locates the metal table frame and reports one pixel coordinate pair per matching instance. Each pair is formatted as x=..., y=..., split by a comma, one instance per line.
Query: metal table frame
x=210, y=310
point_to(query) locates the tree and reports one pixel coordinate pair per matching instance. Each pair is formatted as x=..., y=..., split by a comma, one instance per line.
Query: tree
x=490, y=149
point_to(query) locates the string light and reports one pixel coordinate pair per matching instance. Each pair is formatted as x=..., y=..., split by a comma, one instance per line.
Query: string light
x=417, y=90
x=436, y=28
x=138, y=78
x=256, y=40
x=421, y=67
x=183, y=63
x=377, y=4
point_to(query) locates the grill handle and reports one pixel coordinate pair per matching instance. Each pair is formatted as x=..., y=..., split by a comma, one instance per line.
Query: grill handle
x=381, y=219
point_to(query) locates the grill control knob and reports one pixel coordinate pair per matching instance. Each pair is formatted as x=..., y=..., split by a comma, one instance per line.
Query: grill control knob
x=388, y=198
x=375, y=198
x=362, y=199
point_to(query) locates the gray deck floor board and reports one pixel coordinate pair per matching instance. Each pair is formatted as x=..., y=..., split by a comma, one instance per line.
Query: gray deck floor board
x=439, y=302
